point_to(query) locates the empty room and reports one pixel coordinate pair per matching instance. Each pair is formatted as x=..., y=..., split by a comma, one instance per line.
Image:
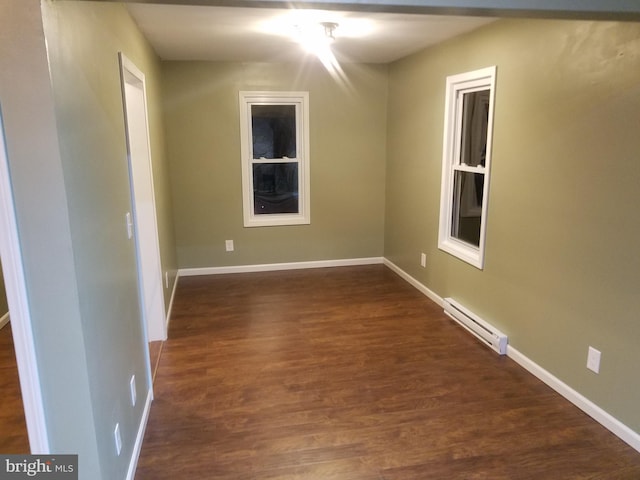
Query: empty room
x=338, y=241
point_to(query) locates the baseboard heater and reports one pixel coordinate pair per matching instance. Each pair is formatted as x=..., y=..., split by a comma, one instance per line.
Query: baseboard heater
x=476, y=326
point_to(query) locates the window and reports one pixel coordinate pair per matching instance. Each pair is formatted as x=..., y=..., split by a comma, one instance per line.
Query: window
x=274, y=130
x=465, y=164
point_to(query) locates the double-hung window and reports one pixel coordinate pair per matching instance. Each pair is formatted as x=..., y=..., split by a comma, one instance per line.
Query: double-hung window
x=274, y=129
x=466, y=164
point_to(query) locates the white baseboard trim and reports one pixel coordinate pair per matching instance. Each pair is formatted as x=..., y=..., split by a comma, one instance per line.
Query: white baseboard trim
x=4, y=319
x=189, y=272
x=419, y=286
x=605, y=419
x=173, y=295
x=137, y=446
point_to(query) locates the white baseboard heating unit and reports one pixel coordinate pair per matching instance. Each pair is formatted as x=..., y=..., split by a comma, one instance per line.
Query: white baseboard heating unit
x=475, y=325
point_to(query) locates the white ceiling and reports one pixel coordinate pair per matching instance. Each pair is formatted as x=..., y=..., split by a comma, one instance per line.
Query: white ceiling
x=262, y=34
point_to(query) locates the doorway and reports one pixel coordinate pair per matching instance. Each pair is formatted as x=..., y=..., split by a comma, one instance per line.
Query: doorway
x=14, y=438
x=142, y=193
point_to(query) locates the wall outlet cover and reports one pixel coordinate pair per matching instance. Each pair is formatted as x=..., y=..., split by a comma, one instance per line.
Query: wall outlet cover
x=132, y=389
x=118, y=439
x=593, y=360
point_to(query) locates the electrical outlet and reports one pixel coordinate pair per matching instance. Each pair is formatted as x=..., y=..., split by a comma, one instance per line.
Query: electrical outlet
x=166, y=279
x=228, y=245
x=423, y=260
x=117, y=439
x=593, y=360
x=132, y=389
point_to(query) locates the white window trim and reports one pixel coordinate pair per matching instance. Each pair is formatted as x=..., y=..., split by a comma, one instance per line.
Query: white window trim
x=301, y=101
x=455, y=87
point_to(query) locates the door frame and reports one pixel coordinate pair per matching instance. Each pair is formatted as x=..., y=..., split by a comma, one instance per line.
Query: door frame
x=18, y=301
x=155, y=325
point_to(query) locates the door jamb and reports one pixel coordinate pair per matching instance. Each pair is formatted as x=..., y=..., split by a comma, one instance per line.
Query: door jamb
x=17, y=298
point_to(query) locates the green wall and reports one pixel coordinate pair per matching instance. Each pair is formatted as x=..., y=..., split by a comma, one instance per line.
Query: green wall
x=83, y=40
x=347, y=143
x=95, y=33
x=44, y=232
x=562, y=263
x=71, y=188
x=84, y=72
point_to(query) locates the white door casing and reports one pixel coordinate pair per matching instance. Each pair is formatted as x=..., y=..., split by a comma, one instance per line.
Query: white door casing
x=142, y=192
x=17, y=298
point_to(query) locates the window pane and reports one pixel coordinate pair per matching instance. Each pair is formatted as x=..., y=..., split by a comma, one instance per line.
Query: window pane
x=273, y=129
x=466, y=165
x=468, y=189
x=475, y=118
x=275, y=188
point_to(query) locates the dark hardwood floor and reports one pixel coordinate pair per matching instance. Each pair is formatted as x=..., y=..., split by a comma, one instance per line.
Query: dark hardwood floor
x=352, y=374
x=13, y=428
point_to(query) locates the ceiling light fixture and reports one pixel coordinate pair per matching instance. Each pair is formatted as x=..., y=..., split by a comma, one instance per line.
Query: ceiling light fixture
x=316, y=37
x=329, y=28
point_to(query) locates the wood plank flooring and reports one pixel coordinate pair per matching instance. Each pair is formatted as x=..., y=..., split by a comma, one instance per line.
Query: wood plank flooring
x=13, y=428
x=352, y=374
